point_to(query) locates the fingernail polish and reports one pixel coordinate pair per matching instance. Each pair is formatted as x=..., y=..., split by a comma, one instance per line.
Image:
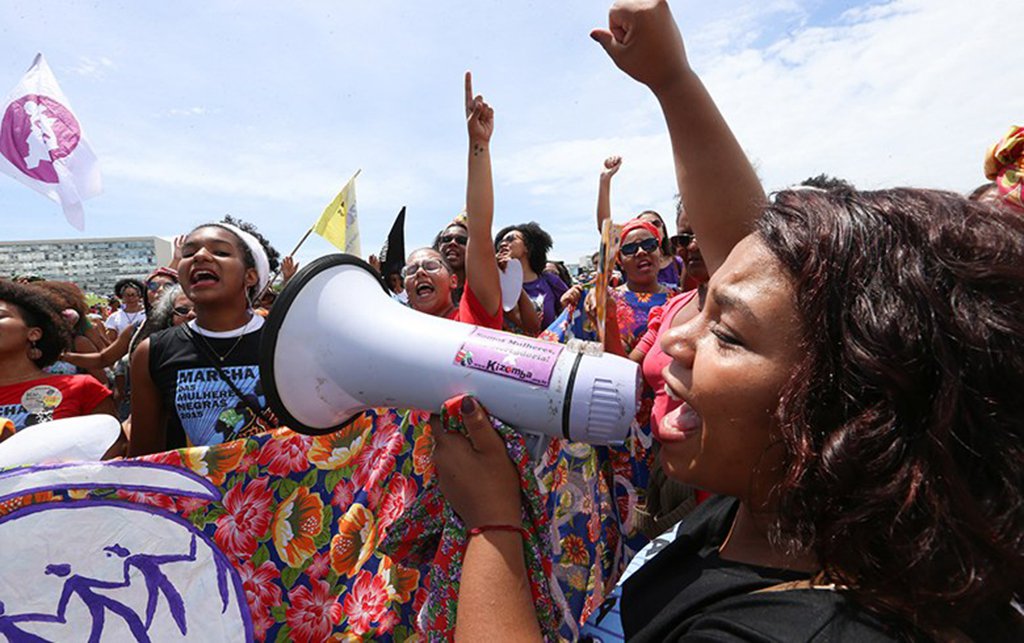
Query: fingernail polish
x=468, y=404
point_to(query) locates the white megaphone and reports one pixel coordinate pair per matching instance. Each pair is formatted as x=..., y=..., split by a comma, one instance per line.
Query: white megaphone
x=336, y=344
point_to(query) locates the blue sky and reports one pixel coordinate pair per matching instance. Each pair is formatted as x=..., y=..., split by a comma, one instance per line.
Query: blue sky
x=263, y=110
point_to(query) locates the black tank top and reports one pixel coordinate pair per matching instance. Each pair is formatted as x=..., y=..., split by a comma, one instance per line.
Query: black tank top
x=202, y=408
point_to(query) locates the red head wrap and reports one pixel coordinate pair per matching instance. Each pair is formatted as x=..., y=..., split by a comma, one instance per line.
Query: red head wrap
x=634, y=224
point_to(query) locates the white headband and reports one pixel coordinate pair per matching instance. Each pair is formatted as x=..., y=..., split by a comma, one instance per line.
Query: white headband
x=259, y=255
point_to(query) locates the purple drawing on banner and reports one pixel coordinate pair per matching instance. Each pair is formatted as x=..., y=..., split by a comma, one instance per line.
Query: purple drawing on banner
x=35, y=132
x=120, y=571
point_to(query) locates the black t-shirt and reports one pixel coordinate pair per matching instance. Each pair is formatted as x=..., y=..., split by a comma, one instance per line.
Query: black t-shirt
x=688, y=592
x=202, y=408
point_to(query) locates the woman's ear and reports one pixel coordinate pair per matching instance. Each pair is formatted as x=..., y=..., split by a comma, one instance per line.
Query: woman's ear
x=35, y=333
x=252, y=277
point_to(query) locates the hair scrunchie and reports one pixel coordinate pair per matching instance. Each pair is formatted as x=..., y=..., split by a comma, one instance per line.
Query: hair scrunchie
x=1004, y=164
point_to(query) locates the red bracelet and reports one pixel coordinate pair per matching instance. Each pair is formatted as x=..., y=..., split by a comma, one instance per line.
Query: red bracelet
x=475, y=531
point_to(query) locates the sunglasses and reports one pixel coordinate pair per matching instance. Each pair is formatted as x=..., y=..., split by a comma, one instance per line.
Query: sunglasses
x=683, y=238
x=457, y=238
x=154, y=286
x=649, y=245
x=432, y=266
x=182, y=310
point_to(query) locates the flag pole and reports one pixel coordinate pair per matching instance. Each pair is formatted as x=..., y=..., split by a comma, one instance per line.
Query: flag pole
x=301, y=241
x=296, y=249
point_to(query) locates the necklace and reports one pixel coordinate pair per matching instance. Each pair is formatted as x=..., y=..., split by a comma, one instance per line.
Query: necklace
x=220, y=357
x=131, y=317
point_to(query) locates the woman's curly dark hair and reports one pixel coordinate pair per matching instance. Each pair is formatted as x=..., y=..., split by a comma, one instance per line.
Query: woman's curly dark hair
x=39, y=309
x=129, y=282
x=538, y=243
x=904, y=421
x=250, y=261
x=69, y=295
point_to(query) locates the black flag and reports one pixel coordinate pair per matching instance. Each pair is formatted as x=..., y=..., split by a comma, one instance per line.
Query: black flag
x=392, y=255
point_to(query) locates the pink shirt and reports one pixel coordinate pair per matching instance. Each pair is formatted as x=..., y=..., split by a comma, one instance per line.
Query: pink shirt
x=655, y=359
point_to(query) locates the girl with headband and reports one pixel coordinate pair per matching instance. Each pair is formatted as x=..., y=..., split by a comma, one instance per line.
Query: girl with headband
x=198, y=383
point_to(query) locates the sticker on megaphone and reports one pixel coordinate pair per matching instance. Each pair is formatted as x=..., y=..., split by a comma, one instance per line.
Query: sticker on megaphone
x=336, y=344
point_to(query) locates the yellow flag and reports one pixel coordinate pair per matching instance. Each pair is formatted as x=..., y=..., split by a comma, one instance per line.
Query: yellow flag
x=338, y=223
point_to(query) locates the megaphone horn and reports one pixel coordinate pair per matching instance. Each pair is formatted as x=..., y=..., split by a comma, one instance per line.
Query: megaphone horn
x=336, y=344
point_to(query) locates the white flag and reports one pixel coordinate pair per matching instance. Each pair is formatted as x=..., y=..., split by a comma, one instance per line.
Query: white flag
x=42, y=145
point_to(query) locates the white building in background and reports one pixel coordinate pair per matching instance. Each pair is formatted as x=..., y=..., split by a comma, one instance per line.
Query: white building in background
x=94, y=264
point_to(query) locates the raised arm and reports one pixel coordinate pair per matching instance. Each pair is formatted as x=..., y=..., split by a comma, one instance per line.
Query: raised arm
x=106, y=357
x=604, y=189
x=722, y=192
x=481, y=266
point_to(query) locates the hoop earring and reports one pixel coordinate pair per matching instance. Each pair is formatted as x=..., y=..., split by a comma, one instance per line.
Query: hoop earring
x=34, y=353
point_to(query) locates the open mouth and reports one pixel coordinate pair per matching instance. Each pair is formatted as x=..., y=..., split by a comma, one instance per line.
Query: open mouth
x=680, y=423
x=643, y=264
x=204, y=278
x=424, y=289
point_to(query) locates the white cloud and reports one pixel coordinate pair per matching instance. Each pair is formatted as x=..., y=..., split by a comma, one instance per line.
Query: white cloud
x=898, y=92
x=92, y=67
x=187, y=111
x=905, y=93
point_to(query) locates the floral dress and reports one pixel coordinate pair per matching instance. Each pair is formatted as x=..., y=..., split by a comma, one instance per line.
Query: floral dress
x=593, y=492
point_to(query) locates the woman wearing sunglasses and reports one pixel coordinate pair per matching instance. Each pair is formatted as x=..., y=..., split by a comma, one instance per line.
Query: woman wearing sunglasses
x=429, y=277
x=451, y=243
x=670, y=266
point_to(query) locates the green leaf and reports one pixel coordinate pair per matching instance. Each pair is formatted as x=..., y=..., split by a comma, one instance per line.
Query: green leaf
x=402, y=633
x=198, y=518
x=332, y=479
x=320, y=540
x=261, y=556
x=286, y=487
x=289, y=575
x=284, y=635
x=332, y=577
x=279, y=612
x=309, y=481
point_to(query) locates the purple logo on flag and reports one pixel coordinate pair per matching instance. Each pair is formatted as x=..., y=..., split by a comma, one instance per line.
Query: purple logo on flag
x=35, y=132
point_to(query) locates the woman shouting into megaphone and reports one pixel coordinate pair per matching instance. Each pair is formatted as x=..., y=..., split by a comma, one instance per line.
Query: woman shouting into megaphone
x=429, y=279
x=849, y=391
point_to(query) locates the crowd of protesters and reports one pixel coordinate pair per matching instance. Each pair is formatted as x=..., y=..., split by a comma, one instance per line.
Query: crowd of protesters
x=830, y=442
